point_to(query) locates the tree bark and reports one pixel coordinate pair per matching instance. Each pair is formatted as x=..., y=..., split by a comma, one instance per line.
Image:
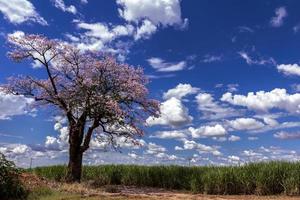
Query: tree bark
x=75, y=155
x=74, y=166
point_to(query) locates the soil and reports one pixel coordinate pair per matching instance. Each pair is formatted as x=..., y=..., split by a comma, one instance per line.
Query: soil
x=123, y=192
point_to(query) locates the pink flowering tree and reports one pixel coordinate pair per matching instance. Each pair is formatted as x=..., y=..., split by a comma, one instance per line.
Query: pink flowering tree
x=97, y=95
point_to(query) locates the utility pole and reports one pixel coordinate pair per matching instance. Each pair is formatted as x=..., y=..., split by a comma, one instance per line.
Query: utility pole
x=189, y=160
x=30, y=163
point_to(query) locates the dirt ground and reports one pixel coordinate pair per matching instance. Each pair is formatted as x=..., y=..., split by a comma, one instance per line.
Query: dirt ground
x=84, y=191
x=159, y=194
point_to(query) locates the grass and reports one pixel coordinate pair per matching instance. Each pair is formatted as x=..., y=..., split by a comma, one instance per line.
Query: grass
x=257, y=178
x=45, y=193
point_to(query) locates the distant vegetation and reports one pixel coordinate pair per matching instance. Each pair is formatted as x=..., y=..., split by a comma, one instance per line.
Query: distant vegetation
x=10, y=185
x=257, y=178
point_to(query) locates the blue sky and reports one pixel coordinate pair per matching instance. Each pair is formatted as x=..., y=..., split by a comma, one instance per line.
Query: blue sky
x=226, y=73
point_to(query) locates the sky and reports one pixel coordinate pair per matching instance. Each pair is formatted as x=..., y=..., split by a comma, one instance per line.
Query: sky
x=226, y=74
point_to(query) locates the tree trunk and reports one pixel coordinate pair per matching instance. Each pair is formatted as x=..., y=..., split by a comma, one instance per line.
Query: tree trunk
x=75, y=156
x=74, y=167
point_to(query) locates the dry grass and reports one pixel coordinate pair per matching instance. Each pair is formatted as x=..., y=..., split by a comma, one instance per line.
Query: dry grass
x=64, y=191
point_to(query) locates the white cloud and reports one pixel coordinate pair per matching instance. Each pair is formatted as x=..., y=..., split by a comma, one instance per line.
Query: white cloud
x=164, y=12
x=251, y=153
x=287, y=135
x=279, y=126
x=166, y=156
x=60, y=4
x=173, y=113
x=175, y=134
x=234, y=138
x=211, y=58
x=52, y=142
x=20, y=149
x=162, y=66
x=212, y=109
x=16, y=34
x=289, y=69
x=180, y=91
x=99, y=36
x=233, y=87
x=270, y=153
x=280, y=14
x=101, y=31
x=20, y=11
x=155, y=149
x=133, y=155
x=201, y=148
x=264, y=101
x=251, y=61
x=177, y=148
x=270, y=121
x=208, y=131
x=12, y=105
x=243, y=29
x=252, y=138
x=234, y=158
x=84, y=1
x=145, y=30
x=61, y=142
x=246, y=124
x=296, y=28
x=220, y=139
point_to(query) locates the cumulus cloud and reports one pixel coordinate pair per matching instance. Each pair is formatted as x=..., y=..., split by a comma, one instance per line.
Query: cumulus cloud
x=264, y=101
x=289, y=69
x=173, y=113
x=270, y=153
x=153, y=148
x=16, y=34
x=232, y=87
x=162, y=66
x=142, y=19
x=279, y=126
x=208, y=131
x=180, y=91
x=58, y=143
x=164, y=12
x=12, y=105
x=149, y=15
x=177, y=148
x=102, y=36
x=104, y=32
x=165, y=156
x=287, y=135
x=234, y=138
x=145, y=30
x=211, y=109
x=231, y=138
x=246, y=124
x=201, y=148
x=20, y=11
x=234, y=158
x=84, y=1
x=60, y=4
x=133, y=155
x=252, y=138
x=280, y=15
x=174, y=134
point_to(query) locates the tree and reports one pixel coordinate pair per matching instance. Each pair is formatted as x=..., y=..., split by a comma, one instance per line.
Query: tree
x=93, y=91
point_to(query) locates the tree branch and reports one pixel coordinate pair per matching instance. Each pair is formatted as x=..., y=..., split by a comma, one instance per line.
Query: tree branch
x=88, y=136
